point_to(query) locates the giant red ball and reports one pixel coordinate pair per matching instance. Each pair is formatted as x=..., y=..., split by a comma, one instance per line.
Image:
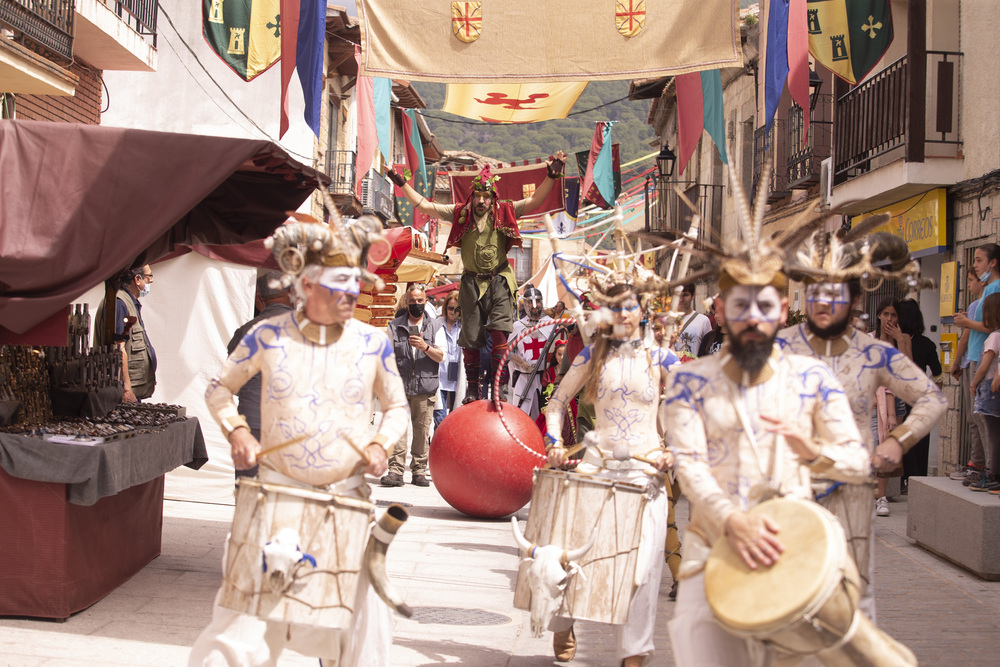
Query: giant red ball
x=477, y=466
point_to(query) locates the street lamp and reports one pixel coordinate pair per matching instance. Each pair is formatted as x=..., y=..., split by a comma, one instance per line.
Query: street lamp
x=665, y=163
x=815, y=83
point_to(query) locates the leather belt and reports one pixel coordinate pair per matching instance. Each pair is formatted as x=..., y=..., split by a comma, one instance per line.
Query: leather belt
x=495, y=272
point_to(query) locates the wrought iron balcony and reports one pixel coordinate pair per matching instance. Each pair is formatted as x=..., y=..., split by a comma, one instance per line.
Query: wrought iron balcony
x=44, y=26
x=140, y=15
x=874, y=118
x=340, y=169
x=775, y=150
x=804, y=160
x=667, y=212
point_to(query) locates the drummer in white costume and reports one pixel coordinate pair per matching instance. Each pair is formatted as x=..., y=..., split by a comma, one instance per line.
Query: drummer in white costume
x=860, y=362
x=622, y=372
x=320, y=370
x=747, y=424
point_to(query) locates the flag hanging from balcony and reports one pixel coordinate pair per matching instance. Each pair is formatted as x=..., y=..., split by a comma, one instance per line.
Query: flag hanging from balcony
x=598, y=180
x=582, y=159
x=382, y=94
x=786, y=57
x=584, y=40
x=699, y=107
x=367, y=134
x=246, y=34
x=849, y=37
x=512, y=102
x=416, y=165
x=303, y=39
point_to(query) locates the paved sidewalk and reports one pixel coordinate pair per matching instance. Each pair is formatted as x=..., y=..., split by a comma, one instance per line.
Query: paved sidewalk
x=459, y=574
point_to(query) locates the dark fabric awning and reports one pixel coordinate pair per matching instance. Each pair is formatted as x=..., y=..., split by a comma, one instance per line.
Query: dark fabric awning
x=78, y=203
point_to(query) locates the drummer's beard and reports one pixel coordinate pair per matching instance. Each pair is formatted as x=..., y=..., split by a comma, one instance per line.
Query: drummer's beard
x=833, y=330
x=750, y=355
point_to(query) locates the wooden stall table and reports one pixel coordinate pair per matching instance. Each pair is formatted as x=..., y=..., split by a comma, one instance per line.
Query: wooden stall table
x=77, y=521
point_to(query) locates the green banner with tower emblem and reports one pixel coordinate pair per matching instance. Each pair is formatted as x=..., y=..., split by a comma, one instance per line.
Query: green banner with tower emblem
x=849, y=37
x=246, y=34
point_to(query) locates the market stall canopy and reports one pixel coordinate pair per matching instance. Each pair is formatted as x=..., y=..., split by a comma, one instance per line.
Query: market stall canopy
x=79, y=203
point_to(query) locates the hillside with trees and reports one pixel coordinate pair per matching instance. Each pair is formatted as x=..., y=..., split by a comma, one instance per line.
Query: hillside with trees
x=528, y=141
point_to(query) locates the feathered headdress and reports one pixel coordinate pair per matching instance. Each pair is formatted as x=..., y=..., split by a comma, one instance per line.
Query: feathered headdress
x=751, y=258
x=303, y=240
x=846, y=255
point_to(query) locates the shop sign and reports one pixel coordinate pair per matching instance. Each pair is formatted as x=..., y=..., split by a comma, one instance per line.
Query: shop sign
x=949, y=288
x=920, y=221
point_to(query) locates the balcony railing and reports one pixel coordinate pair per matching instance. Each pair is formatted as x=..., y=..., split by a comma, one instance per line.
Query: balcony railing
x=340, y=169
x=667, y=212
x=804, y=161
x=775, y=150
x=873, y=119
x=41, y=25
x=140, y=15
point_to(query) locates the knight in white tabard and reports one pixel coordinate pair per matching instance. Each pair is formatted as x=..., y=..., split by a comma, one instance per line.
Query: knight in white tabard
x=526, y=357
x=320, y=371
x=621, y=375
x=833, y=266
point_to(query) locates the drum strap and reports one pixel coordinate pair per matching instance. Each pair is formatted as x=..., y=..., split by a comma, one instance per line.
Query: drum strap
x=337, y=488
x=774, y=475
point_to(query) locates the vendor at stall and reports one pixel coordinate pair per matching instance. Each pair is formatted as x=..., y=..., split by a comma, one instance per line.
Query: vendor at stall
x=138, y=355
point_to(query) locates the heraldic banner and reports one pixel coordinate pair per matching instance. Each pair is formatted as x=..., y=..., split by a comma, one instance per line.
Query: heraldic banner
x=512, y=102
x=515, y=183
x=246, y=34
x=556, y=40
x=849, y=37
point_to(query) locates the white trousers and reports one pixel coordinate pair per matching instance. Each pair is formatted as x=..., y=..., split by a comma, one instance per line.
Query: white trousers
x=697, y=638
x=635, y=637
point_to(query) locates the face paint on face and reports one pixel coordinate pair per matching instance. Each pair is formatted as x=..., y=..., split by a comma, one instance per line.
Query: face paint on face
x=341, y=279
x=626, y=319
x=828, y=309
x=743, y=303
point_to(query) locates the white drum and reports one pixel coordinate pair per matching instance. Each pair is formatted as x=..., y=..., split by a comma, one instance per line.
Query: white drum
x=331, y=530
x=565, y=509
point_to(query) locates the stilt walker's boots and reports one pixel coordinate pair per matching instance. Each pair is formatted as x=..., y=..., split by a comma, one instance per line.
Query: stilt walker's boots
x=564, y=645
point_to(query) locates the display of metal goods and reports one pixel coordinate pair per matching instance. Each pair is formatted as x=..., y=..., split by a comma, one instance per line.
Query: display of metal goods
x=78, y=364
x=27, y=382
x=141, y=416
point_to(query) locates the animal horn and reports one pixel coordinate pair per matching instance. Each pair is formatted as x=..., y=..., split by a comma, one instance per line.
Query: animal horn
x=577, y=553
x=378, y=545
x=521, y=540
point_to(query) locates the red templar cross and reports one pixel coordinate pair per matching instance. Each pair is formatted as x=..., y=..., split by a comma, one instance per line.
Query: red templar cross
x=635, y=11
x=534, y=346
x=468, y=22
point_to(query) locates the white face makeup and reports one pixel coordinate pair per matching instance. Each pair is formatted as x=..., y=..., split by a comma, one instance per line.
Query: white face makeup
x=743, y=303
x=341, y=279
x=626, y=319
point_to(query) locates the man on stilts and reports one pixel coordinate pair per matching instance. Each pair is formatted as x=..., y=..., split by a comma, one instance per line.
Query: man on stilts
x=485, y=229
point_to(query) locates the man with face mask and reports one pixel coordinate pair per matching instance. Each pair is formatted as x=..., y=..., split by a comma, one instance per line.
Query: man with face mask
x=413, y=342
x=138, y=355
x=485, y=229
x=528, y=354
x=320, y=373
x=862, y=364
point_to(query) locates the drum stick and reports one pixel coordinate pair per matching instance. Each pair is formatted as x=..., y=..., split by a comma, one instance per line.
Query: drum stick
x=361, y=452
x=294, y=441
